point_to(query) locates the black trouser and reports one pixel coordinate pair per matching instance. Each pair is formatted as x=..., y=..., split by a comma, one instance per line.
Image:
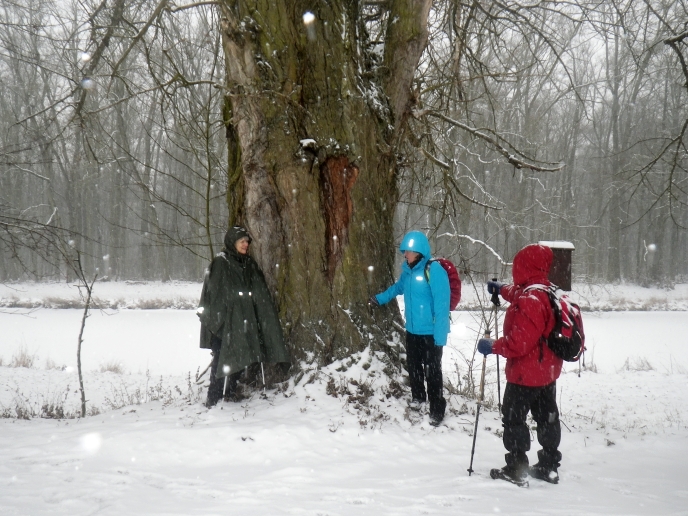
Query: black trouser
x=424, y=361
x=217, y=385
x=542, y=404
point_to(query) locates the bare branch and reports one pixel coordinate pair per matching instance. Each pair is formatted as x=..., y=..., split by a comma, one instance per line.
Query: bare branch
x=479, y=242
x=445, y=167
x=511, y=158
x=176, y=8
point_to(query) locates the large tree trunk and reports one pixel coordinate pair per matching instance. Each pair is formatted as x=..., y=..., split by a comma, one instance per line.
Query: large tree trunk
x=314, y=122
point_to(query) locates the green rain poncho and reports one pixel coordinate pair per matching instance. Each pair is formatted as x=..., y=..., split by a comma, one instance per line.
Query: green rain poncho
x=238, y=309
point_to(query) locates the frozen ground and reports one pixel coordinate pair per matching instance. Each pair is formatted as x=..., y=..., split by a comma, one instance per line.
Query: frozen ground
x=336, y=443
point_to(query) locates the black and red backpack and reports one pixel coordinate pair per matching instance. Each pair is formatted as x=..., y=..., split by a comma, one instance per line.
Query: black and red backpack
x=454, y=280
x=567, y=339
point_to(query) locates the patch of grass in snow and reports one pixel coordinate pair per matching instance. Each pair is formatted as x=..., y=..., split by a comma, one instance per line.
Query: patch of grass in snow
x=51, y=407
x=637, y=364
x=51, y=364
x=112, y=366
x=23, y=358
x=61, y=302
x=123, y=396
x=66, y=302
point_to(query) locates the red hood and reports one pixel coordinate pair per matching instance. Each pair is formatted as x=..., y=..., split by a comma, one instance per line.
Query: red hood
x=531, y=265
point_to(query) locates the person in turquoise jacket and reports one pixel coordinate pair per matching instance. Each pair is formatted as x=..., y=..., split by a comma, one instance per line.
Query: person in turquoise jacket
x=426, y=300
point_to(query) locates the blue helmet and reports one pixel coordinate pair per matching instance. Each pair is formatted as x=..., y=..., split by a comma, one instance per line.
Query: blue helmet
x=417, y=242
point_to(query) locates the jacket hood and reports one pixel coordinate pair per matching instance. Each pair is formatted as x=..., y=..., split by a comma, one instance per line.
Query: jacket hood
x=417, y=242
x=235, y=234
x=532, y=264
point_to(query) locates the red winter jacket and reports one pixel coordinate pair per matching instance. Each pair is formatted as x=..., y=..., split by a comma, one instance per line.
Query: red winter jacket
x=528, y=318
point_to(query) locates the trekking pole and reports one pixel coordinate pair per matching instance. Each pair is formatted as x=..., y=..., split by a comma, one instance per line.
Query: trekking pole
x=582, y=359
x=495, y=306
x=262, y=371
x=225, y=370
x=479, y=403
x=499, y=388
x=579, y=366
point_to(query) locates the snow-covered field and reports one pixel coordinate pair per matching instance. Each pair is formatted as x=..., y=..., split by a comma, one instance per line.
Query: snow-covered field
x=180, y=294
x=339, y=442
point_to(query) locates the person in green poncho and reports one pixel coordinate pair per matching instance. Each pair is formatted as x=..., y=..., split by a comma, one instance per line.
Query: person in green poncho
x=239, y=320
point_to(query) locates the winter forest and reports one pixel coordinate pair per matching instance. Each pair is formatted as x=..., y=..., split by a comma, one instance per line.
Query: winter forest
x=134, y=133
x=524, y=121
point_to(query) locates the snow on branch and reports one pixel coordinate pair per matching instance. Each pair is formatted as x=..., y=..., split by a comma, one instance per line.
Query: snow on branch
x=480, y=242
x=447, y=167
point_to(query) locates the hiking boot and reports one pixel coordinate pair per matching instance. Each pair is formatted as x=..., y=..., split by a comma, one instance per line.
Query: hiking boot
x=511, y=473
x=415, y=405
x=436, y=419
x=544, y=473
x=211, y=402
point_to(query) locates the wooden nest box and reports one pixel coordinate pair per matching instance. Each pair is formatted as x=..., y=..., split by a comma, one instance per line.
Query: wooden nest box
x=560, y=272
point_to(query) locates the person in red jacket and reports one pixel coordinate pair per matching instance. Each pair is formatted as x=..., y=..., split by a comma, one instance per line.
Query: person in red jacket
x=531, y=368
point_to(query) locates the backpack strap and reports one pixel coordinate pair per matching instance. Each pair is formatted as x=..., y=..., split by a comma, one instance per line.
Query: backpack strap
x=551, y=292
x=427, y=269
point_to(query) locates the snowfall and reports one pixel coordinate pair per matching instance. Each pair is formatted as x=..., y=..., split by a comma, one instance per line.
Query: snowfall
x=338, y=440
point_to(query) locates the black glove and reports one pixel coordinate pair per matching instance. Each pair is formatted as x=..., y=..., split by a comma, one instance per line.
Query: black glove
x=494, y=287
x=372, y=301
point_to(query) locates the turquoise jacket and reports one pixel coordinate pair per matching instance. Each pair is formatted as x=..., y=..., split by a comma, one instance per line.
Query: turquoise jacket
x=426, y=301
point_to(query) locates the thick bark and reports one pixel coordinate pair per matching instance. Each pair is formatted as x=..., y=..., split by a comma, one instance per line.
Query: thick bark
x=313, y=128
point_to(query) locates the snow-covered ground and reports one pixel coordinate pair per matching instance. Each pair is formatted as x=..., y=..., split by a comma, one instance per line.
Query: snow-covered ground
x=339, y=441
x=180, y=294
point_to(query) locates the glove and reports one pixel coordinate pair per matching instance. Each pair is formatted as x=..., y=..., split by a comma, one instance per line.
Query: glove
x=493, y=287
x=372, y=301
x=485, y=346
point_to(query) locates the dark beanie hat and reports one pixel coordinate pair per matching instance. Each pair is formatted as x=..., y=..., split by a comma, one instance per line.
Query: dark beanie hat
x=234, y=234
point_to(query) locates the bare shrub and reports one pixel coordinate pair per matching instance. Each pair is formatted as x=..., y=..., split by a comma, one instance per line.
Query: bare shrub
x=51, y=364
x=22, y=408
x=122, y=397
x=592, y=367
x=62, y=302
x=152, y=304
x=112, y=366
x=53, y=411
x=23, y=358
x=23, y=412
x=637, y=364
